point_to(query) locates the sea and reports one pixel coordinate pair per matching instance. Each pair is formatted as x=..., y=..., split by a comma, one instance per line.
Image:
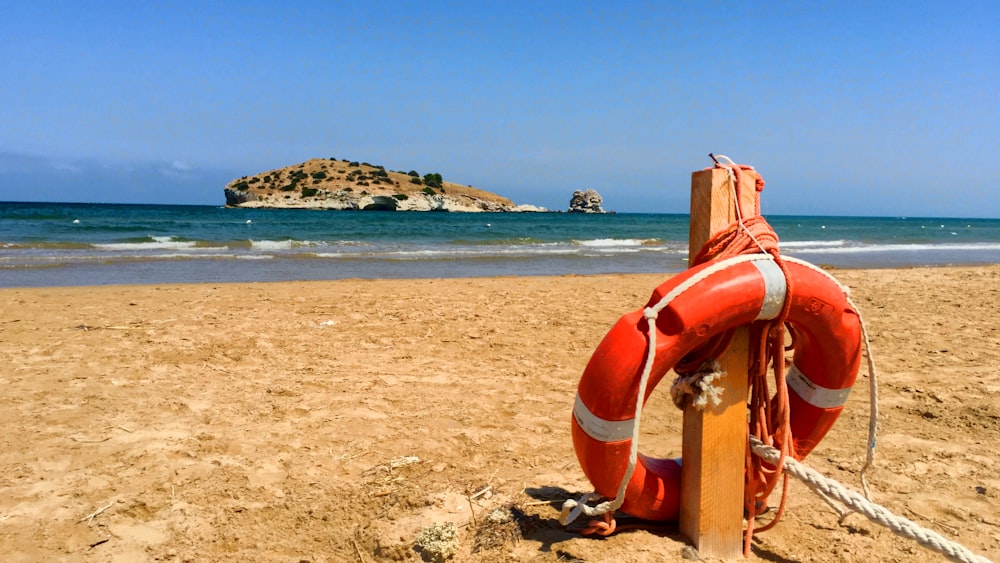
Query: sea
x=77, y=244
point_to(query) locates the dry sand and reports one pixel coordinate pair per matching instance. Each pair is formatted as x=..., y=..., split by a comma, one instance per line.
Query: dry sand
x=332, y=421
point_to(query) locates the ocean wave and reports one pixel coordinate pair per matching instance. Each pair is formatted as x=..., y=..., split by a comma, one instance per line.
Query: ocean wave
x=897, y=248
x=812, y=243
x=292, y=244
x=513, y=241
x=453, y=253
x=277, y=244
x=152, y=243
x=605, y=242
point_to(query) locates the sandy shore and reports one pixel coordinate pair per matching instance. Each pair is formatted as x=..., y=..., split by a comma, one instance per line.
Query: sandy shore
x=332, y=421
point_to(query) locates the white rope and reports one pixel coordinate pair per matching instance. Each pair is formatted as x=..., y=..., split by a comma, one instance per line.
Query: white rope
x=831, y=489
x=696, y=389
x=872, y=403
x=572, y=509
x=872, y=379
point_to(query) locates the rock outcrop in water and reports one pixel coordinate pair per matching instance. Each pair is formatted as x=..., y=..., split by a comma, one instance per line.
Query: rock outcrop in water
x=347, y=185
x=588, y=201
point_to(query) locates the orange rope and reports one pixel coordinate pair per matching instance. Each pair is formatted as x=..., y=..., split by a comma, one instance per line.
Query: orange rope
x=603, y=527
x=769, y=419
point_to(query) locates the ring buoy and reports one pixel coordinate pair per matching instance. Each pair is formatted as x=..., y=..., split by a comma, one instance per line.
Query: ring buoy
x=712, y=299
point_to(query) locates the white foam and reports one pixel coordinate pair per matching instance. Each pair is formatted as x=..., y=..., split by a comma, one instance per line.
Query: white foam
x=601, y=242
x=811, y=243
x=165, y=243
x=974, y=247
x=280, y=244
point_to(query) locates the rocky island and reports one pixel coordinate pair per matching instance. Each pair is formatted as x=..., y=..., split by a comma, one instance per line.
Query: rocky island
x=350, y=185
x=588, y=201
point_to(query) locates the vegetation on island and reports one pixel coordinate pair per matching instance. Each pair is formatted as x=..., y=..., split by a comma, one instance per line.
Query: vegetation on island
x=318, y=180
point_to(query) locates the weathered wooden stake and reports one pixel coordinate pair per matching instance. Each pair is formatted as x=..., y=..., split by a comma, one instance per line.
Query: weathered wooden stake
x=715, y=439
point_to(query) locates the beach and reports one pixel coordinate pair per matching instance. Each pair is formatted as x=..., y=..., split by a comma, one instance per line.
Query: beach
x=328, y=421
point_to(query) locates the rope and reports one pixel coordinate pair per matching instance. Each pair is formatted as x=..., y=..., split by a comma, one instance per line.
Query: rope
x=830, y=489
x=873, y=411
x=696, y=389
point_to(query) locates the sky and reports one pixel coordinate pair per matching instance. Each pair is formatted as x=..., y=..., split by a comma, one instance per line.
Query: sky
x=846, y=108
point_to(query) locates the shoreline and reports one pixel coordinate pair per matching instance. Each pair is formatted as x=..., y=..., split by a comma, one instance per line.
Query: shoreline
x=271, y=420
x=280, y=270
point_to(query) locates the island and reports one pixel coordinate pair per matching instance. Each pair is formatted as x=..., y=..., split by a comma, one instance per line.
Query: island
x=335, y=184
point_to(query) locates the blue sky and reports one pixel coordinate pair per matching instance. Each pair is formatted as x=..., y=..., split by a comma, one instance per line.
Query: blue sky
x=848, y=108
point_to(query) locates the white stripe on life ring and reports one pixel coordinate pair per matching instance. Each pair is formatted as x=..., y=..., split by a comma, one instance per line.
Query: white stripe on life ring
x=598, y=428
x=775, y=289
x=819, y=397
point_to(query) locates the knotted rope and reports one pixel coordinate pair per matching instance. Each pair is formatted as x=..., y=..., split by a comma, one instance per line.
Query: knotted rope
x=696, y=389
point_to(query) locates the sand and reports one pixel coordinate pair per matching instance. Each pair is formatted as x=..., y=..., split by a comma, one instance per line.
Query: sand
x=333, y=421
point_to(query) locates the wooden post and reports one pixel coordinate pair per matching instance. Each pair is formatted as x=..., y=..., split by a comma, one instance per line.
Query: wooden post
x=715, y=440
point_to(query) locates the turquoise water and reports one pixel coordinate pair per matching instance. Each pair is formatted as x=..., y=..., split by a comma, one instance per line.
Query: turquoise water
x=51, y=244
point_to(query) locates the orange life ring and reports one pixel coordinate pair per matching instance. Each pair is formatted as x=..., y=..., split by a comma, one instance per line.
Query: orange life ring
x=710, y=300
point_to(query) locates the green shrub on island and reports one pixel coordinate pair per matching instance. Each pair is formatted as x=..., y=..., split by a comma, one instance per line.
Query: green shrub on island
x=309, y=192
x=241, y=186
x=401, y=197
x=414, y=173
x=289, y=187
x=433, y=180
x=429, y=191
x=318, y=175
x=416, y=181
